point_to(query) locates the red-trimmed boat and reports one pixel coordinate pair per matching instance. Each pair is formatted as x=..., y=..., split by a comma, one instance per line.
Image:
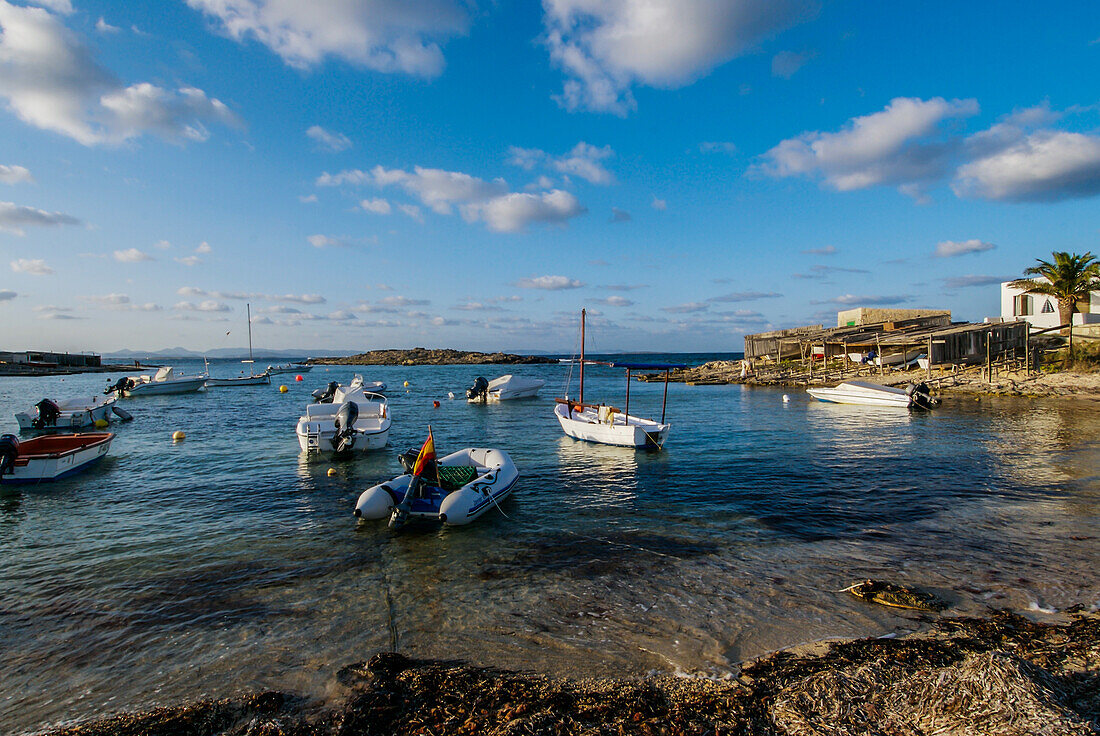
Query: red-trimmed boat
x=50, y=457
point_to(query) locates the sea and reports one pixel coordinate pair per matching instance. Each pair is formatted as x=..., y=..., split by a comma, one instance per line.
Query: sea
x=228, y=562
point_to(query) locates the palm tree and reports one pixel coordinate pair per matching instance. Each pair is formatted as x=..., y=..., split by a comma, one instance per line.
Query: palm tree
x=1069, y=279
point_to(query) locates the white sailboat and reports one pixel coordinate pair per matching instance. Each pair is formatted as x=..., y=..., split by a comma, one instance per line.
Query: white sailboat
x=251, y=379
x=606, y=424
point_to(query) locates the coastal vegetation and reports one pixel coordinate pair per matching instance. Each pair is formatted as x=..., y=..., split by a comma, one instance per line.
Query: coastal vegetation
x=425, y=356
x=1069, y=278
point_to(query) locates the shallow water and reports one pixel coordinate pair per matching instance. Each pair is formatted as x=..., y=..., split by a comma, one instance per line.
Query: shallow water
x=227, y=562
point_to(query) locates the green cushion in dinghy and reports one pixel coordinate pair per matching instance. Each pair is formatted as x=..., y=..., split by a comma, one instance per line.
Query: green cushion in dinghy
x=453, y=477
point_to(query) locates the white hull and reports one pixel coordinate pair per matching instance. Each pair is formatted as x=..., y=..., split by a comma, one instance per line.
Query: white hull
x=317, y=427
x=34, y=468
x=622, y=430
x=172, y=386
x=75, y=413
x=316, y=437
x=509, y=387
x=259, y=380
x=897, y=358
x=496, y=477
x=867, y=394
x=276, y=370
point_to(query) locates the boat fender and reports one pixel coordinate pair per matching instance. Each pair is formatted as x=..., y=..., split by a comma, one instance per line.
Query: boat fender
x=9, y=450
x=122, y=414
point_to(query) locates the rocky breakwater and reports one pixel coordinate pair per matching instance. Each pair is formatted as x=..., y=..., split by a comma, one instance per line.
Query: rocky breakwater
x=424, y=356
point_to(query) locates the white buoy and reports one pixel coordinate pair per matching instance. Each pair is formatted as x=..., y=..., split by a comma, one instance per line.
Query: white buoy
x=786, y=399
x=450, y=394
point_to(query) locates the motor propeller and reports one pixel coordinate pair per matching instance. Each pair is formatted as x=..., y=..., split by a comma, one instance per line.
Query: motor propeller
x=344, y=438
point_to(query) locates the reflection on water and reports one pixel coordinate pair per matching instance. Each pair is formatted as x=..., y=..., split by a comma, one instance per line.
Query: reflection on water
x=229, y=561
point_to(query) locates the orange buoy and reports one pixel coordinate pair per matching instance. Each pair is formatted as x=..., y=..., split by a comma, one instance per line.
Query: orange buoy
x=297, y=378
x=435, y=404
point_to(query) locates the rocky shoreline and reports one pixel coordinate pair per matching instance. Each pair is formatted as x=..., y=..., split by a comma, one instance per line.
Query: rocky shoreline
x=1002, y=674
x=425, y=356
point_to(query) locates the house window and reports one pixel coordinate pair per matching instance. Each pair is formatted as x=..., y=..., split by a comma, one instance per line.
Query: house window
x=1048, y=308
x=1021, y=305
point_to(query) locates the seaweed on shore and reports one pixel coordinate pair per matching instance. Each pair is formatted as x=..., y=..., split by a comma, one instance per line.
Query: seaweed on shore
x=1003, y=674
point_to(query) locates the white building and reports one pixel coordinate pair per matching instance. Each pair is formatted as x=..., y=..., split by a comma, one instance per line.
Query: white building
x=1041, y=310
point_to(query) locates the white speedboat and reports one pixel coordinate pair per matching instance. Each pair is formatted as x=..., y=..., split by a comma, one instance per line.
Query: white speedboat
x=872, y=394
x=505, y=388
x=351, y=419
x=276, y=370
x=50, y=457
x=606, y=424
x=66, y=413
x=457, y=490
x=164, y=381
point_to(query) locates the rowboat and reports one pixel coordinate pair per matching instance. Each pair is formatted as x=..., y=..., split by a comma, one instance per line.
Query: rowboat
x=50, y=457
x=464, y=485
x=872, y=394
x=49, y=414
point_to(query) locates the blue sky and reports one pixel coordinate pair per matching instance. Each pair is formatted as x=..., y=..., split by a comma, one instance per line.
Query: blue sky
x=378, y=173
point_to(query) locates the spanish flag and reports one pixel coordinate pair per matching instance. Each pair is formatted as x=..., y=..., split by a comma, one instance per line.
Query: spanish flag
x=426, y=459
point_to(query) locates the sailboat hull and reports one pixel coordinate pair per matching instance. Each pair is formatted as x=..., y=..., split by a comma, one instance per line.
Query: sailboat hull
x=260, y=380
x=620, y=430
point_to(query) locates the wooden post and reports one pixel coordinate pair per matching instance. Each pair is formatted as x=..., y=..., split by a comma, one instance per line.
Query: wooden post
x=988, y=357
x=878, y=349
x=929, y=356
x=811, y=349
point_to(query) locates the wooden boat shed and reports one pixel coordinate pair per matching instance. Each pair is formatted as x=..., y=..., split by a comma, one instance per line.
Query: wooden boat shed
x=959, y=343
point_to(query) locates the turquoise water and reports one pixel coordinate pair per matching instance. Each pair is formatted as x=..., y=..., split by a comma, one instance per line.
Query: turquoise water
x=227, y=562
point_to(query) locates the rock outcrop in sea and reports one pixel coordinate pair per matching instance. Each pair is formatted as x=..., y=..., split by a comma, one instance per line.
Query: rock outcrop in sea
x=425, y=356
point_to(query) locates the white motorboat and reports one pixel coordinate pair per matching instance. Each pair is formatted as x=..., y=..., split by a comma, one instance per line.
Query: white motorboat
x=50, y=457
x=872, y=394
x=164, y=381
x=276, y=370
x=50, y=414
x=251, y=379
x=898, y=358
x=505, y=388
x=345, y=419
x=606, y=424
x=460, y=488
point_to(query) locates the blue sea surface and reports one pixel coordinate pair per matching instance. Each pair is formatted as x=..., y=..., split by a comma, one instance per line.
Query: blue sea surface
x=229, y=562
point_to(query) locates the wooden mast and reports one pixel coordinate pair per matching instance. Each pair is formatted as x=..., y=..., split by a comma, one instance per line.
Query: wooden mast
x=664, y=401
x=582, y=354
x=248, y=308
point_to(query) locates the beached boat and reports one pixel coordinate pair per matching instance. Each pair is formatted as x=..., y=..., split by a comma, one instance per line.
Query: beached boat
x=606, y=424
x=50, y=414
x=505, y=388
x=164, y=381
x=251, y=379
x=872, y=394
x=50, y=457
x=457, y=490
x=275, y=370
x=351, y=419
x=898, y=358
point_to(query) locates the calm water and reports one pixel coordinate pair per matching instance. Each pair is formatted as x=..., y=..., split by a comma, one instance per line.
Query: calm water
x=227, y=562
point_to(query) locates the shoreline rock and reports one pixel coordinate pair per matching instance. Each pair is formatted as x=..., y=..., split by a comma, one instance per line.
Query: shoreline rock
x=425, y=356
x=1002, y=674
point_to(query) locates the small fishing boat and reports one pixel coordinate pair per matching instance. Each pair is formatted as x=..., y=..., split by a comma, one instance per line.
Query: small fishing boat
x=51, y=456
x=251, y=379
x=275, y=370
x=872, y=394
x=164, y=381
x=606, y=424
x=49, y=414
x=505, y=388
x=456, y=490
x=345, y=418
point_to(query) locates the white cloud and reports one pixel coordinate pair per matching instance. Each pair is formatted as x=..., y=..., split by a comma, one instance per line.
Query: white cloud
x=745, y=296
x=378, y=206
x=827, y=250
x=403, y=301
x=341, y=315
x=411, y=210
x=104, y=27
x=786, y=63
x=514, y=212
x=32, y=266
x=203, y=247
x=189, y=261
x=51, y=81
x=162, y=245
x=849, y=300
x=14, y=174
x=131, y=255
x=1044, y=166
x=205, y=306
x=972, y=280
x=329, y=140
x=307, y=198
x=659, y=204
x=108, y=300
x=550, y=283
x=440, y=189
x=607, y=46
x=615, y=301
x=896, y=146
x=7, y=295
x=383, y=35
x=252, y=296
x=14, y=217
x=688, y=308
x=324, y=241
x=348, y=176
x=950, y=248
x=582, y=161
x=64, y=7
x=618, y=215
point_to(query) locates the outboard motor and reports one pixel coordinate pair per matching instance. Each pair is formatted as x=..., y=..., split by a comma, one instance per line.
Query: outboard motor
x=9, y=450
x=48, y=412
x=121, y=385
x=327, y=394
x=479, y=389
x=922, y=396
x=344, y=439
x=408, y=459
